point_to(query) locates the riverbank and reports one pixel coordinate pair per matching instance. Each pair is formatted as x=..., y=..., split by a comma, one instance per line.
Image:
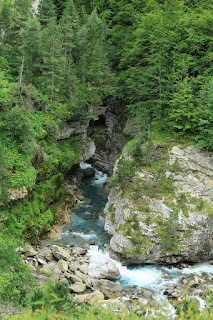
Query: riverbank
x=82, y=247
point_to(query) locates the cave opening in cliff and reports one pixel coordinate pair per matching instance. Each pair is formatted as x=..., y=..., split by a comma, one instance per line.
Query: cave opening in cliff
x=100, y=122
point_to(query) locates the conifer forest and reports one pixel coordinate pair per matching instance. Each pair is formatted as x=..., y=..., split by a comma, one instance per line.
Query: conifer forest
x=120, y=90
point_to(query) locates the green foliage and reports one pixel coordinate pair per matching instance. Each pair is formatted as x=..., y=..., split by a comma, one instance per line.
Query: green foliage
x=189, y=310
x=112, y=210
x=175, y=167
x=183, y=114
x=168, y=231
x=205, y=112
x=54, y=296
x=4, y=178
x=46, y=11
x=32, y=52
x=15, y=278
x=16, y=137
x=96, y=78
x=162, y=51
x=124, y=173
x=53, y=61
x=159, y=185
x=5, y=91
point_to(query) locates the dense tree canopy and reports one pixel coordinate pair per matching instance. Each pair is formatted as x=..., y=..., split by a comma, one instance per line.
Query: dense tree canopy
x=151, y=58
x=154, y=57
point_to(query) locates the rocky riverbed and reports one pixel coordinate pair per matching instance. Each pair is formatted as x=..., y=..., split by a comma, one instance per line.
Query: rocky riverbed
x=93, y=281
x=79, y=259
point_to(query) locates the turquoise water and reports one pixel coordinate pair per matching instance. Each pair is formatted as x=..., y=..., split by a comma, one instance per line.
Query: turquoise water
x=86, y=228
x=87, y=222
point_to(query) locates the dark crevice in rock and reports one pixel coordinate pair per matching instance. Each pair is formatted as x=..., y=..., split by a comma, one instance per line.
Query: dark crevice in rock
x=108, y=134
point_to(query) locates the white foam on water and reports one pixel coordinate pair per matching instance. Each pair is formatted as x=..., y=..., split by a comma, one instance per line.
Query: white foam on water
x=84, y=165
x=202, y=303
x=100, y=178
x=149, y=277
x=101, y=219
x=197, y=268
x=145, y=277
x=84, y=236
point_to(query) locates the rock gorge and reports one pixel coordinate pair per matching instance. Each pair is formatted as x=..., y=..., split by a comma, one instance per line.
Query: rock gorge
x=145, y=228
x=150, y=223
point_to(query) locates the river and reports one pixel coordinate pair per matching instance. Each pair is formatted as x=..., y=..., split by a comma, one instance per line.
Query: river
x=88, y=226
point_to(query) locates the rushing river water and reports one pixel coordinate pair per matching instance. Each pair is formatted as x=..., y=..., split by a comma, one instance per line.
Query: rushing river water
x=88, y=226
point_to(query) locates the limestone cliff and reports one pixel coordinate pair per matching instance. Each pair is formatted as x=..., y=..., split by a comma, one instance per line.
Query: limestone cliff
x=165, y=215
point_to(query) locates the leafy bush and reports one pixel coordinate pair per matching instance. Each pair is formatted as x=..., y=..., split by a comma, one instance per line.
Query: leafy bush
x=55, y=296
x=123, y=174
x=16, y=280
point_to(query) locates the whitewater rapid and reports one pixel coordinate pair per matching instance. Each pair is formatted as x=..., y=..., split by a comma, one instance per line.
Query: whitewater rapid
x=84, y=228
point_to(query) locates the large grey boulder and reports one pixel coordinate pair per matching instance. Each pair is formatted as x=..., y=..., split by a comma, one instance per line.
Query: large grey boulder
x=84, y=278
x=77, y=287
x=63, y=265
x=89, y=150
x=30, y=251
x=61, y=253
x=16, y=194
x=106, y=286
x=79, y=251
x=89, y=172
x=91, y=298
x=51, y=268
x=100, y=267
x=73, y=127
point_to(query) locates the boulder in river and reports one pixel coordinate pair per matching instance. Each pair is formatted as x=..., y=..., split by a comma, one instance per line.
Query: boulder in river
x=79, y=251
x=107, y=286
x=103, y=268
x=89, y=172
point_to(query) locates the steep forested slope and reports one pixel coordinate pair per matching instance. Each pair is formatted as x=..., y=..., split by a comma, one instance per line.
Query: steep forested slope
x=59, y=64
x=53, y=68
x=153, y=56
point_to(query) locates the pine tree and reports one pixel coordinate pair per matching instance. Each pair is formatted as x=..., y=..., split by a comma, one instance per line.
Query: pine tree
x=4, y=178
x=60, y=6
x=5, y=17
x=53, y=60
x=32, y=51
x=205, y=113
x=12, y=50
x=5, y=91
x=68, y=27
x=46, y=11
x=92, y=65
x=183, y=113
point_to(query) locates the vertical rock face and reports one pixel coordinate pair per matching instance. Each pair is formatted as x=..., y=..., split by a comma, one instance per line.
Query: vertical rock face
x=155, y=225
x=73, y=127
x=109, y=133
x=105, y=137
